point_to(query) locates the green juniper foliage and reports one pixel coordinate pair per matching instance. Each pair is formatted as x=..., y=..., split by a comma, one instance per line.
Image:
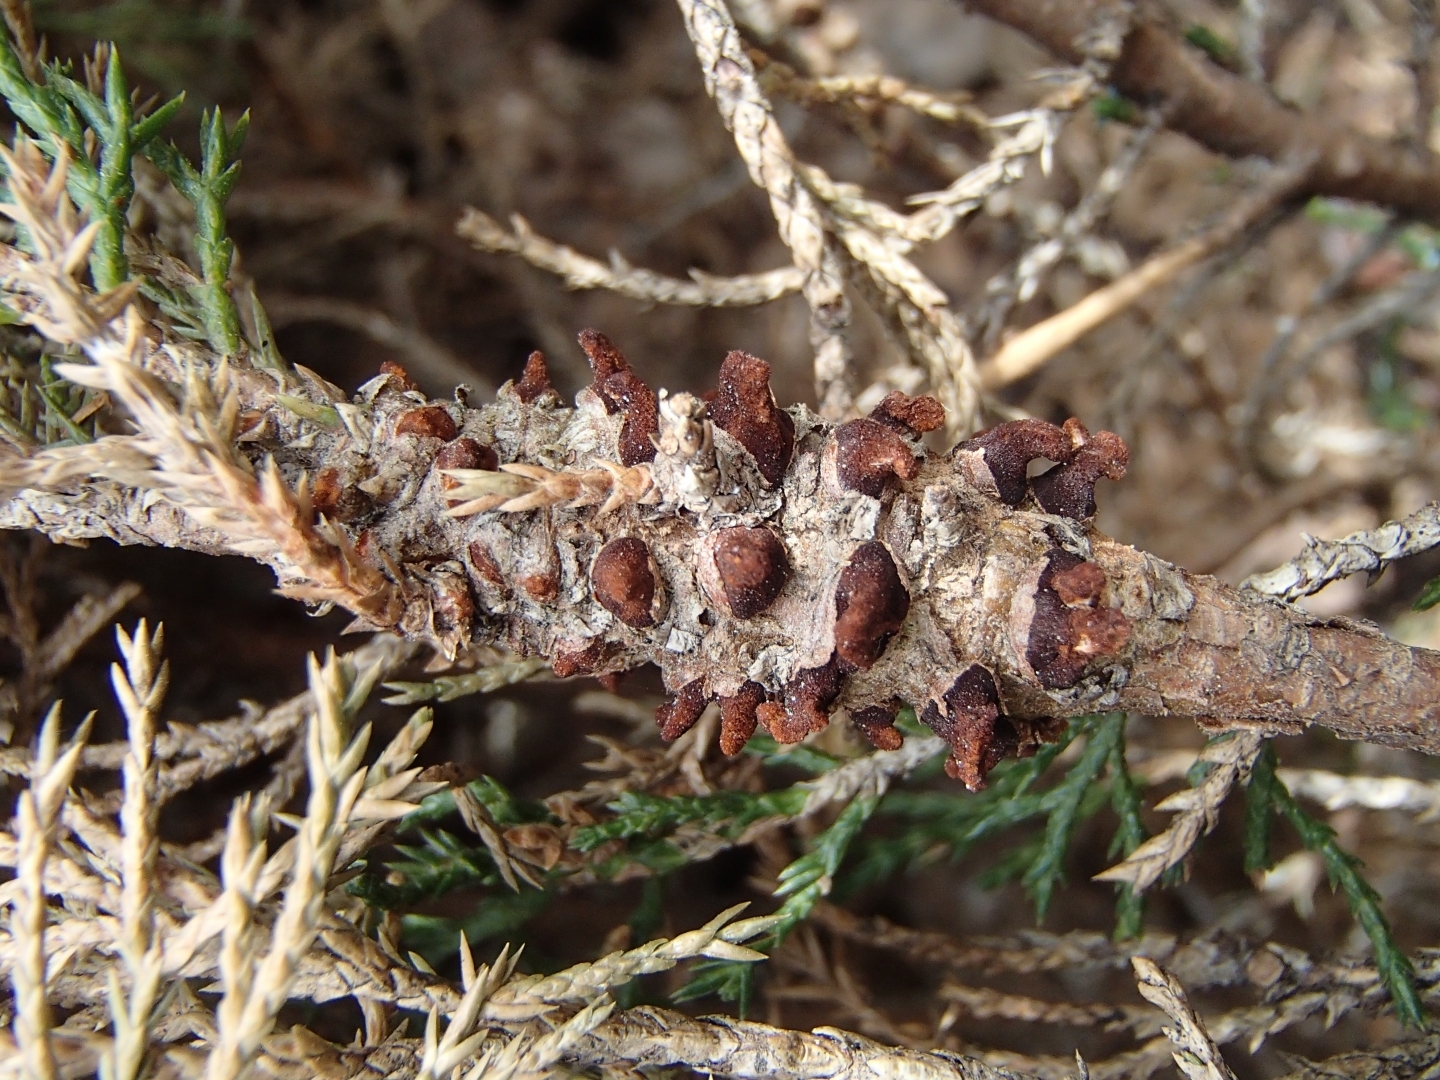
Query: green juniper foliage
x=207, y=189
x=1267, y=795
x=96, y=122
x=60, y=111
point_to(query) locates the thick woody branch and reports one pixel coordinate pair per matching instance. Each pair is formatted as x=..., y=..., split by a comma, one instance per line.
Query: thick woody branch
x=1229, y=114
x=790, y=567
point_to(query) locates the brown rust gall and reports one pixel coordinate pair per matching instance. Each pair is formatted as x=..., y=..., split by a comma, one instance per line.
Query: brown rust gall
x=483, y=560
x=534, y=380
x=1079, y=586
x=331, y=497
x=1009, y=448
x=453, y=606
x=871, y=603
x=427, y=422
x=679, y=714
x=966, y=717
x=808, y=697
x=399, y=377
x=738, y=718
x=869, y=457
x=625, y=392
x=745, y=409
x=584, y=657
x=877, y=723
x=909, y=415
x=1067, y=635
x=623, y=581
x=752, y=569
x=1069, y=489
x=542, y=586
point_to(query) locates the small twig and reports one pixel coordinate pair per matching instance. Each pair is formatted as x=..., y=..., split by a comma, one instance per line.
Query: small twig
x=1287, y=326
x=140, y=687
x=1198, y=811
x=1368, y=551
x=1022, y=281
x=36, y=816
x=1422, y=71
x=730, y=80
x=1230, y=114
x=1252, y=39
x=1030, y=350
x=1195, y=1051
x=582, y=272
x=1410, y=293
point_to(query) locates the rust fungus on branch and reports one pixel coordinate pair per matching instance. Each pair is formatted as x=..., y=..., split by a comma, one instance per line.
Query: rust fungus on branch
x=871, y=603
x=966, y=717
x=336, y=500
x=808, y=698
x=909, y=415
x=625, y=582
x=399, y=378
x=584, y=657
x=483, y=560
x=877, y=723
x=738, y=717
x=623, y=391
x=745, y=409
x=752, y=569
x=534, y=381
x=869, y=457
x=427, y=422
x=1009, y=448
x=1069, y=489
x=679, y=714
x=1071, y=628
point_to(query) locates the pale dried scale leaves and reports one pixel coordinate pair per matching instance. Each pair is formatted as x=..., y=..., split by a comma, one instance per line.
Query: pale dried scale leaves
x=1368, y=551
x=1229, y=760
x=1195, y=1051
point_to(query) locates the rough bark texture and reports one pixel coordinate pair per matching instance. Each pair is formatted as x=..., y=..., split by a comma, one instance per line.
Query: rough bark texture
x=1227, y=113
x=934, y=576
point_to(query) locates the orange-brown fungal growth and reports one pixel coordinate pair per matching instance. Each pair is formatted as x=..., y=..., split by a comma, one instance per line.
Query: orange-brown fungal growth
x=428, y=421
x=808, y=697
x=745, y=409
x=1009, y=448
x=909, y=415
x=330, y=496
x=966, y=716
x=738, y=718
x=534, y=380
x=877, y=723
x=623, y=391
x=752, y=568
x=399, y=377
x=1069, y=489
x=624, y=582
x=871, y=603
x=1070, y=629
x=869, y=456
x=678, y=715
x=483, y=560
x=584, y=657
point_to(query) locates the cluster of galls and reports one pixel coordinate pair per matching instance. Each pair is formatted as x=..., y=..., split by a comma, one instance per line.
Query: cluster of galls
x=744, y=569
